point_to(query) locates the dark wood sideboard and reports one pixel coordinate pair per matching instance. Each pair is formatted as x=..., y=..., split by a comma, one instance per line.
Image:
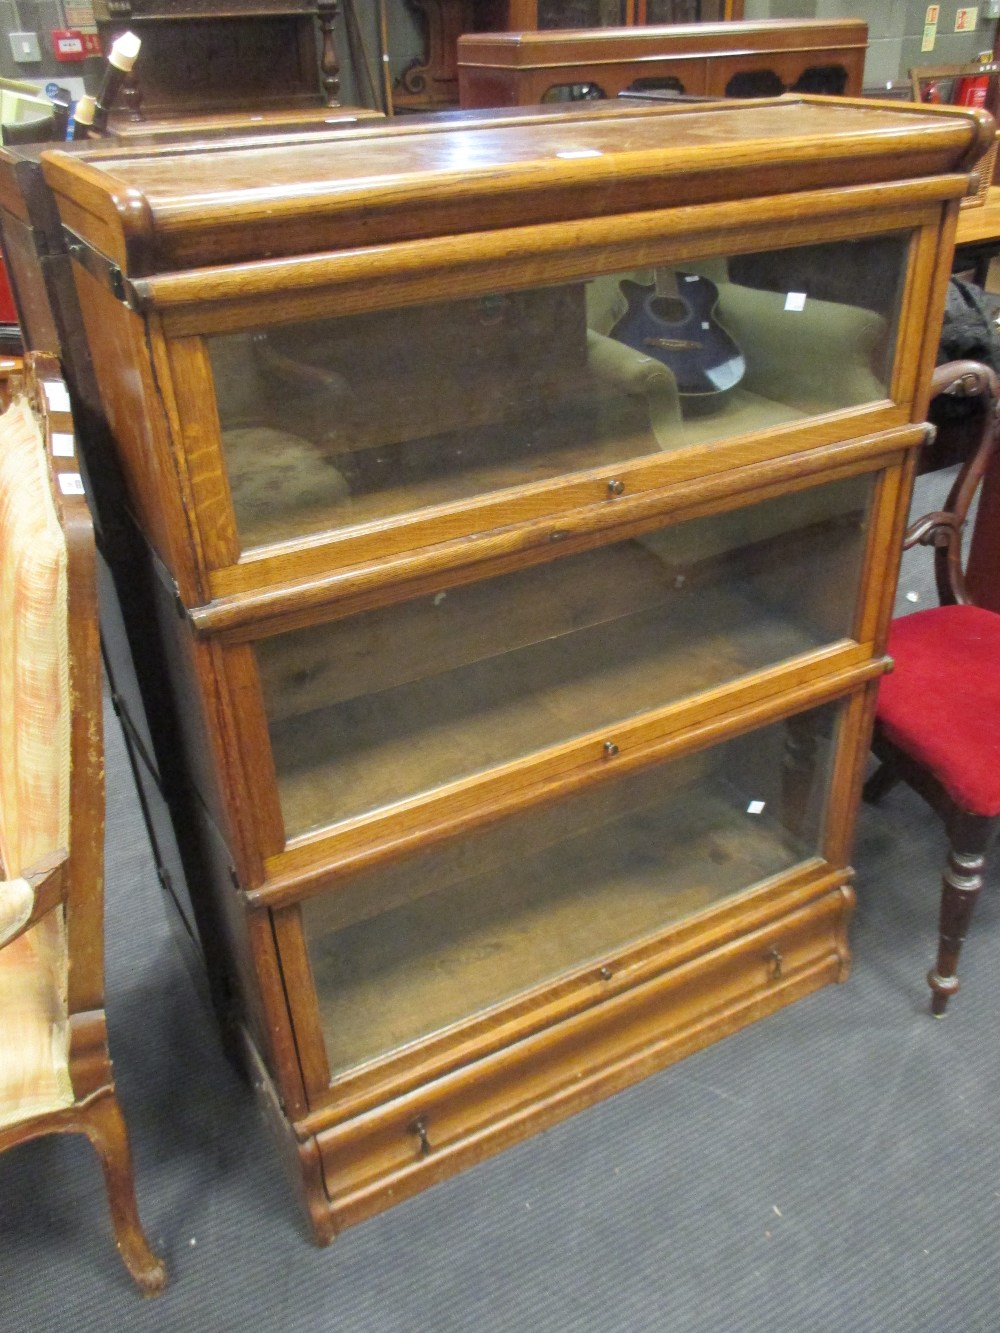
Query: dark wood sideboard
x=432, y=80
x=717, y=59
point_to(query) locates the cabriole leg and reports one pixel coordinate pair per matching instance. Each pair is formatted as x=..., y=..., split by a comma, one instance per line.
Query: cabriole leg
x=105, y=1128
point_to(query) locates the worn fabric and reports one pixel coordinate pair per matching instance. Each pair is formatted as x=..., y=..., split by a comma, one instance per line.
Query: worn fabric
x=35, y=715
x=17, y=898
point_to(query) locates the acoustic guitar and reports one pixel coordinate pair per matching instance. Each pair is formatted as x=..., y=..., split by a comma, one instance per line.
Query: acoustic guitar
x=674, y=321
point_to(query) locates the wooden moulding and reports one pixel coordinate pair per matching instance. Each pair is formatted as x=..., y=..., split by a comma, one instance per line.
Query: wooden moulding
x=337, y=192
x=558, y=46
x=317, y=864
x=413, y=1141
x=232, y=297
x=446, y=558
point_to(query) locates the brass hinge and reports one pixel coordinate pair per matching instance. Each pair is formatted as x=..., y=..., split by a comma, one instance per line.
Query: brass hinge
x=101, y=267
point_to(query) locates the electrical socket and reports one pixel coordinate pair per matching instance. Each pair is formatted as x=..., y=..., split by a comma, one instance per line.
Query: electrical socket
x=24, y=48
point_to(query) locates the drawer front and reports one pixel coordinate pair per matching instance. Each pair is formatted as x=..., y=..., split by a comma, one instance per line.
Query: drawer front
x=418, y=423
x=404, y=1145
x=399, y=703
x=527, y=913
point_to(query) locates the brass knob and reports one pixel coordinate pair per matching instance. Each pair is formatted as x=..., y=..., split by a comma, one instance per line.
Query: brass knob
x=615, y=487
x=610, y=749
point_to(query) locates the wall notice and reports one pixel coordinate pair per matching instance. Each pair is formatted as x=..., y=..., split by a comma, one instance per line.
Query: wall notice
x=966, y=19
x=930, y=27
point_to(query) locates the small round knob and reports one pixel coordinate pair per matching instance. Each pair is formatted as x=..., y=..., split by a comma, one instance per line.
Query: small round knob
x=610, y=749
x=615, y=487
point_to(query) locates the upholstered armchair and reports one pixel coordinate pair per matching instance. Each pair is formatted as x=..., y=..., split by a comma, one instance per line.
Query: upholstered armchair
x=55, y=1071
x=938, y=722
x=832, y=346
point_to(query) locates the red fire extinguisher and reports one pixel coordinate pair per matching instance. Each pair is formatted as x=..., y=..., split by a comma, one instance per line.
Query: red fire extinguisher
x=973, y=89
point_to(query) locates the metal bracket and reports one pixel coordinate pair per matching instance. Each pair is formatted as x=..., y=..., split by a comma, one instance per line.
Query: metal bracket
x=100, y=267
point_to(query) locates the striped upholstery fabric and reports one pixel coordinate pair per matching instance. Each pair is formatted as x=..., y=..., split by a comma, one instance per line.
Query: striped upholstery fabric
x=34, y=767
x=17, y=898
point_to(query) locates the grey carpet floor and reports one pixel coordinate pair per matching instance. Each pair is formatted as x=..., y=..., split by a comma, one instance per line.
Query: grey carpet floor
x=836, y=1166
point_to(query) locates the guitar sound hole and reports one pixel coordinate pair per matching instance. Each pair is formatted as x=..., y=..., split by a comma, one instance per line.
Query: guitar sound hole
x=669, y=308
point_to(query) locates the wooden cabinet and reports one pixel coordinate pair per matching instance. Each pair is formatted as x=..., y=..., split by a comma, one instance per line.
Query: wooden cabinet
x=224, y=67
x=433, y=81
x=750, y=59
x=522, y=500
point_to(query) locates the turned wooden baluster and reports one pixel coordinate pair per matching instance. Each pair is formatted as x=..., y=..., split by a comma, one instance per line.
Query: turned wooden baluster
x=329, y=65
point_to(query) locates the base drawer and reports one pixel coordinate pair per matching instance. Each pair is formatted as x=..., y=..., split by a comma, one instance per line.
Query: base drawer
x=401, y=1147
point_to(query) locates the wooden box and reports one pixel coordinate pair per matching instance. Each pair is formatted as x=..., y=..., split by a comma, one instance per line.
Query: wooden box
x=521, y=501
x=748, y=59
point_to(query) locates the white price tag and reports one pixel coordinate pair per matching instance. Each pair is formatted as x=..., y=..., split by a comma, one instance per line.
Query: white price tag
x=756, y=807
x=56, y=395
x=795, y=301
x=63, y=444
x=70, y=483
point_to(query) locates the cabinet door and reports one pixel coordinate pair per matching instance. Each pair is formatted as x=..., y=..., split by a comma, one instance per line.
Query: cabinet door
x=399, y=427
x=408, y=700
x=590, y=881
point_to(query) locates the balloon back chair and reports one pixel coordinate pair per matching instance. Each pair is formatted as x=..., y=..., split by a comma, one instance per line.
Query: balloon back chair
x=55, y=1071
x=938, y=720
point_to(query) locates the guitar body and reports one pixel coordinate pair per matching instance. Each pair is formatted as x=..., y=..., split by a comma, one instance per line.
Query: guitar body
x=683, y=333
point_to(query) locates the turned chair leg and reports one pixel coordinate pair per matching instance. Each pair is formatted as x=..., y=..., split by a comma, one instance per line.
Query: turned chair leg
x=969, y=837
x=104, y=1126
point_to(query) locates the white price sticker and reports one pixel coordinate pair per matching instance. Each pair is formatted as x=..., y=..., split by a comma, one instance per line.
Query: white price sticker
x=795, y=301
x=56, y=395
x=756, y=807
x=70, y=483
x=63, y=444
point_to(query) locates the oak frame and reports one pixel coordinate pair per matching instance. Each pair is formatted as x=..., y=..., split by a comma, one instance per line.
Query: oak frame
x=355, y=1144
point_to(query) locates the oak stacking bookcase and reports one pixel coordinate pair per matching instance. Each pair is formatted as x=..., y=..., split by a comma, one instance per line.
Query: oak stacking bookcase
x=523, y=501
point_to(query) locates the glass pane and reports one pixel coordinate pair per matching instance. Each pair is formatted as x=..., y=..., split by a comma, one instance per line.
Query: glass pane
x=369, y=710
x=338, y=422
x=682, y=11
x=406, y=951
x=581, y=13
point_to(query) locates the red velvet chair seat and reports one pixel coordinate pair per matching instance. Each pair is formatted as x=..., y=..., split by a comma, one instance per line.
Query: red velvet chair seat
x=924, y=710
